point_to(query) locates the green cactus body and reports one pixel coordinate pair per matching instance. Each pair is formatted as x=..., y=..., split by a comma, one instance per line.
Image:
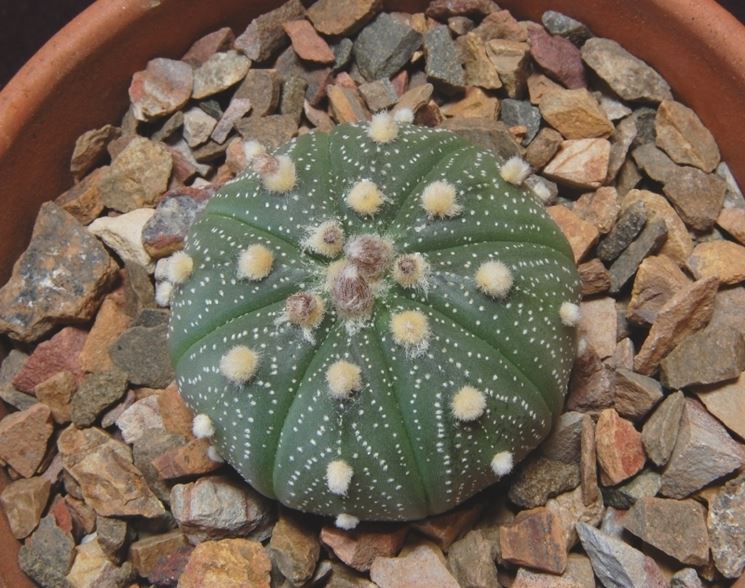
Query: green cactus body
x=395, y=385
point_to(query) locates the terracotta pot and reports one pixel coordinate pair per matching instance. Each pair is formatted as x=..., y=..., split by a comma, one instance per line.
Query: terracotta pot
x=79, y=80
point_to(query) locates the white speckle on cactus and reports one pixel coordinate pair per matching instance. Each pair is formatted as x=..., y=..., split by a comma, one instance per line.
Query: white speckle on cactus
x=282, y=179
x=338, y=476
x=382, y=128
x=468, y=404
x=439, y=200
x=347, y=521
x=326, y=239
x=494, y=279
x=163, y=291
x=343, y=378
x=515, y=170
x=501, y=463
x=404, y=115
x=570, y=314
x=202, y=426
x=255, y=262
x=365, y=198
x=410, y=329
x=213, y=455
x=239, y=364
x=252, y=149
x=411, y=270
x=179, y=267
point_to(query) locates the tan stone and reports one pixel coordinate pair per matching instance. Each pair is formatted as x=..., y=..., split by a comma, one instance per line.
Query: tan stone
x=543, y=147
x=421, y=565
x=581, y=235
x=535, y=538
x=111, y=321
x=358, y=549
x=145, y=552
x=414, y=98
x=575, y=114
x=177, y=417
x=580, y=163
x=475, y=104
x=295, y=547
x=732, y=220
x=726, y=402
x=539, y=85
x=83, y=200
x=307, y=43
x=103, y=468
x=23, y=438
x=479, y=69
x=682, y=135
x=230, y=563
x=23, y=502
x=594, y=277
x=527, y=579
x=678, y=245
x=599, y=325
x=56, y=392
x=346, y=104
x=588, y=467
x=445, y=528
x=600, y=208
x=93, y=568
x=571, y=509
x=185, y=460
x=724, y=260
x=657, y=280
x=619, y=448
x=686, y=312
x=512, y=60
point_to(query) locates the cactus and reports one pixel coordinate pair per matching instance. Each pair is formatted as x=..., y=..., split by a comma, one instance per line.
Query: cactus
x=374, y=324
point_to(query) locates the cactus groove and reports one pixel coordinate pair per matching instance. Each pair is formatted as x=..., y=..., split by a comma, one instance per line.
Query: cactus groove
x=400, y=310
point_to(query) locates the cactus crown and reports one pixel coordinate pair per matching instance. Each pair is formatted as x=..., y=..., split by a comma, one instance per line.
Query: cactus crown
x=372, y=327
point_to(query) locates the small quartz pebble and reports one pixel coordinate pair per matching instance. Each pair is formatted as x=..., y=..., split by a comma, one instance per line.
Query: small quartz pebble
x=123, y=234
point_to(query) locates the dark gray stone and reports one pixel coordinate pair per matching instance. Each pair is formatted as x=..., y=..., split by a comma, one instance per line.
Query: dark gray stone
x=696, y=196
x=293, y=96
x=271, y=131
x=343, y=53
x=142, y=353
x=443, y=66
x=625, y=266
x=48, y=554
x=95, y=394
x=379, y=94
x=264, y=36
x=645, y=119
x=540, y=478
x=627, y=228
x=111, y=533
x=169, y=128
x=486, y=133
x=646, y=483
x=262, y=87
x=654, y=162
x=709, y=356
x=384, y=46
x=565, y=26
x=521, y=112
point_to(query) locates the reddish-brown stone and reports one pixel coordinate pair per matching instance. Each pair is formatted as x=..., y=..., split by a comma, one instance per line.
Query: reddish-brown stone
x=558, y=57
x=619, y=447
x=359, y=548
x=307, y=43
x=23, y=438
x=535, y=538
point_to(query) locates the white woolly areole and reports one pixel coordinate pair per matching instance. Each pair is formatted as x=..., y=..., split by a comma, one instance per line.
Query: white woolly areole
x=404, y=115
x=338, y=476
x=541, y=190
x=213, y=455
x=439, y=200
x=410, y=270
x=202, y=426
x=163, y=291
x=365, y=198
x=410, y=329
x=333, y=271
x=570, y=314
x=494, y=278
x=502, y=463
x=239, y=364
x=382, y=128
x=515, y=170
x=255, y=262
x=347, y=521
x=179, y=267
x=253, y=148
x=283, y=178
x=343, y=378
x=326, y=239
x=468, y=404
